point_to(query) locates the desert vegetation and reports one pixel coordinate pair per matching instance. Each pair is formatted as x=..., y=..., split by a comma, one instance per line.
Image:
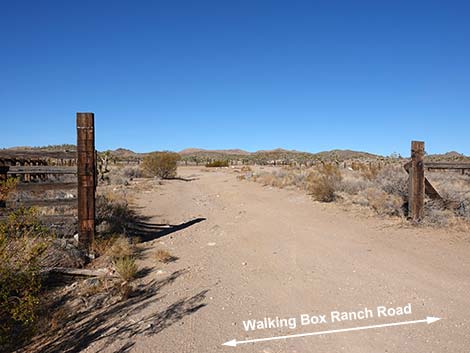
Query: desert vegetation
x=29, y=249
x=381, y=187
x=218, y=164
x=23, y=242
x=161, y=164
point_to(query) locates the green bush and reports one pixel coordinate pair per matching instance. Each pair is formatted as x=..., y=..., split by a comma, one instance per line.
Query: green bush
x=161, y=164
x=23, y=240
x=218, y=163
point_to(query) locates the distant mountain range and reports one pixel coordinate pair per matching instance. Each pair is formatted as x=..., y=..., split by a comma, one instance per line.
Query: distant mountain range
x=201, y=155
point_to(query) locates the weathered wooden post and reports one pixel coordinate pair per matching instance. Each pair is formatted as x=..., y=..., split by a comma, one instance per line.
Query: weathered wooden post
x=86, y=177
x=416, y=182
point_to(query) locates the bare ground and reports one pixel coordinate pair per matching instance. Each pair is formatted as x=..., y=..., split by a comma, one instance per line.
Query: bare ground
x=247, y=252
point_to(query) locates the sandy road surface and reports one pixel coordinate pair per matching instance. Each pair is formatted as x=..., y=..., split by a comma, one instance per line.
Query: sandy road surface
x=253, y=252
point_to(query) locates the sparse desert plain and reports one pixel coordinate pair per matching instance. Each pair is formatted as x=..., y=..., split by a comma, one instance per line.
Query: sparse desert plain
x=243, y=251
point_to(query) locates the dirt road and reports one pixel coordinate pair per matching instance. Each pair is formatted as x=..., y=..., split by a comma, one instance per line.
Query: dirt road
x=248, y=252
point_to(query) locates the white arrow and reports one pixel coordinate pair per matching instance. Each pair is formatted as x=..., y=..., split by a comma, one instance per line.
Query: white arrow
x=428, y=320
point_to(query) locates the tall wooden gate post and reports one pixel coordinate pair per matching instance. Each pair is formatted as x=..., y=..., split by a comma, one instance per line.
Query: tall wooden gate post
x=86, y=177
x=416, y=182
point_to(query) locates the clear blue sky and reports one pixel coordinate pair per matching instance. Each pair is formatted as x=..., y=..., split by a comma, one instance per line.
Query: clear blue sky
x=251, y=74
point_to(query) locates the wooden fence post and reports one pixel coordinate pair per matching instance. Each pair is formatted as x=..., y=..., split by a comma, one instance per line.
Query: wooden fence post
x=86, y=177
x=416, y=182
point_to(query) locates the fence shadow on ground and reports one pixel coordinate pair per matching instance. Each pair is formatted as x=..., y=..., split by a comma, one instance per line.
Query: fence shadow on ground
x=150, y=231
x=108, y=324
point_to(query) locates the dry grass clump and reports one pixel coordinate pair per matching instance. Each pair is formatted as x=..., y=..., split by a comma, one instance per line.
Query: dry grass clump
x=281, y=178
x=126, y=268
x=163, y=256
x=122, y=254
x=101, y=244
x=323, y=183
x=121, y=247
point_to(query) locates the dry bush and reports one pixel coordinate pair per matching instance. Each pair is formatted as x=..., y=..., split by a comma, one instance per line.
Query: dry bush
x=7, y=187
x=383, y=203
x=161, y=164
x=117, y=179
x=281, y=178
x=393, y=179
x=217, y=164
x=323, y=183
x=102, y=244
x=122, y=175
x=132, y=172
x=163, y=256
x=437, y=216
x=353, y=183
x=453, y=187
x=23, y=241
x=126, y=268
x=113, y=215
x=246, y=169
x=121, y=247
x=369, y=171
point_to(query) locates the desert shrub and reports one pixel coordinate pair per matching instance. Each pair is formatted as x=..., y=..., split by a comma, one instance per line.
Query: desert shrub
x=121, y=247
x=24, y=223
x=126, y=268
x=369, y=171
x=436, y=215
x=23, y=240
x=117, y=179
x=393, y=179
x=7, y=187
x=464, y=209
x=353, y=183
x=217, y=163
x=101, y=244
x=382, y=202
x=163, y=256
x=132, y=172
x=115, y=214
x=323, y=183
x=161, y=164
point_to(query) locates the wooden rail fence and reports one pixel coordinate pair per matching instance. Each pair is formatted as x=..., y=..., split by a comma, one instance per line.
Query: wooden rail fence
x=419, y=185
x=35, y=168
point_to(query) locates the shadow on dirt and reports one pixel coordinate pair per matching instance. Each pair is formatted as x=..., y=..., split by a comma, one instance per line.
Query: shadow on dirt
x=106, y=324
x=150, y=231
x=182, y=179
